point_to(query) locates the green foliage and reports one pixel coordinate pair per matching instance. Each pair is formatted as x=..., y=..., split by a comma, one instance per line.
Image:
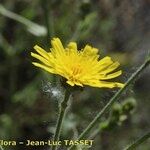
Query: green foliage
x=119, y=114
x=28, y=95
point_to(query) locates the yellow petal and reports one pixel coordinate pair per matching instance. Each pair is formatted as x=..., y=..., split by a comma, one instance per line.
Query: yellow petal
x=88, y=50
x=103, y=64
x=72, y=45
x=57, y=46
x=110, y=84
x=112, y=75
x=110, y=68
x=48, y=69
x=41, y=51
x=70, y=83
x=105, y=61
x=78, y=83
x=43, y=60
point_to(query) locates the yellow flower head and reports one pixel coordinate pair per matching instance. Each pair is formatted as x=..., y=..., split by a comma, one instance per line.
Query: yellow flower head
x=78, y=67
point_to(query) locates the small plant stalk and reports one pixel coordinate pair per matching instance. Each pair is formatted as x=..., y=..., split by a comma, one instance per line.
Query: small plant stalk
x=61, y=116
x=112, y=100
x=1, y=148
x=138, y=142
x=48, y=18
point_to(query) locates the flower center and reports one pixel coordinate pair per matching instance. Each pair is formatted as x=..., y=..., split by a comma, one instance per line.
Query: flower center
x=76, y=70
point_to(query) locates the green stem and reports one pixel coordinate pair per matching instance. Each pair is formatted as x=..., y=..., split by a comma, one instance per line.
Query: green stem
x=48, y=17
x=112, y=100
x=1, y=147
x=61, y=117
x=138, y=142
x=33, y=28
x=94, y=134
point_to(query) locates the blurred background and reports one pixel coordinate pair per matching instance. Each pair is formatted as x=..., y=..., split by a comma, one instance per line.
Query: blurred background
x=29, y=97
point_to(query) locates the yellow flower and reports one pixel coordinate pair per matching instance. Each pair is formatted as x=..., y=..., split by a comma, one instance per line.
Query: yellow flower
x=79, y=68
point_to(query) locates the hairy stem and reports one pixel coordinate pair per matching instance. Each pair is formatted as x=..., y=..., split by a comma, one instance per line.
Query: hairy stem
x=61, y=117
x=112, y=100
x=138, y=142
